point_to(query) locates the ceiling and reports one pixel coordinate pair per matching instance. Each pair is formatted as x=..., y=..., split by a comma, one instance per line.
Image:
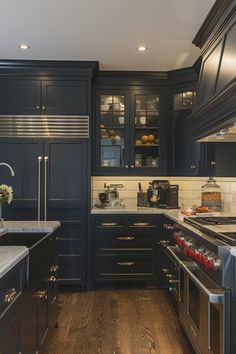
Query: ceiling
x=105, y=30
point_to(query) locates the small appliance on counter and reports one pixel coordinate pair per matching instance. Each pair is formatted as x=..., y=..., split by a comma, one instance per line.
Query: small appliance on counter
x=110, y=199
x=161, y=194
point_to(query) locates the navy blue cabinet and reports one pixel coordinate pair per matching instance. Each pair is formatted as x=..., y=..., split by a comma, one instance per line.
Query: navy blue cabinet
x=130, y=132
x=12, y=318
x=22, y=155
x=53, y=187
x=124, y=250
x=184, y=151
x=37, y=96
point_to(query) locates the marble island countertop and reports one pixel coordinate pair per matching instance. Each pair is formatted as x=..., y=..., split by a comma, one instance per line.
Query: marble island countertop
x=29, y=226
x=10, y=256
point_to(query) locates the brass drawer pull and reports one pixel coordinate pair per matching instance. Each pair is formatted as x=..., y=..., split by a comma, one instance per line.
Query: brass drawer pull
x=126, y=264
x=54, y=268
x=41, y=294
x=109, y=224
x=125, y=238
x=10, y=295
x=52, y=279
x=141, y=224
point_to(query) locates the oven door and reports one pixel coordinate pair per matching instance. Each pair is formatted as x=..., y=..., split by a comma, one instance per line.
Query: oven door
x=204, y=307
x=206, y=313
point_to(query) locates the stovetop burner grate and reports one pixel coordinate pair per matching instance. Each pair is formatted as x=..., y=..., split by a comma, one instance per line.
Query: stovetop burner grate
x=216, y=220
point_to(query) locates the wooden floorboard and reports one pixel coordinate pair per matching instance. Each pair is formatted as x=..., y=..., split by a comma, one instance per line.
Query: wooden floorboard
x=117, y=322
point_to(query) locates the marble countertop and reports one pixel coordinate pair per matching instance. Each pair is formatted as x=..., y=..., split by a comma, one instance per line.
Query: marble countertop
x=10, y=256
x=30, y=226
x=174, y=214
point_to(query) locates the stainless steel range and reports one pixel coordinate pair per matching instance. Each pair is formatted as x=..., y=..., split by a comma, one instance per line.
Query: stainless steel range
x=198, y=266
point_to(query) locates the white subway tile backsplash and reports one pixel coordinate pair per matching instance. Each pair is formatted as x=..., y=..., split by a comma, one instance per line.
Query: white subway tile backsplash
x=189, y=189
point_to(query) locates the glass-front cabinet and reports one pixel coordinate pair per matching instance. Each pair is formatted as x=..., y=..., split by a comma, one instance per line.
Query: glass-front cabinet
x=112, y=123
x=147, y=130
x=129, y=134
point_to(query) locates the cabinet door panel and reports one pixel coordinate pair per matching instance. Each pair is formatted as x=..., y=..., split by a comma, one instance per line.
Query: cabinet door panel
x=19, y=96
x=65, y=97
x=11, y=340
x=66, y=179
x=22, y=155
x=71, y=269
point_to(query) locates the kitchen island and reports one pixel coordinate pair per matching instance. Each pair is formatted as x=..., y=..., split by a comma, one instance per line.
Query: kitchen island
x=28, y=276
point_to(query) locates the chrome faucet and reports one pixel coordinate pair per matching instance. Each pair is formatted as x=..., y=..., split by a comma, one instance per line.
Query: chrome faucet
x=10, y=168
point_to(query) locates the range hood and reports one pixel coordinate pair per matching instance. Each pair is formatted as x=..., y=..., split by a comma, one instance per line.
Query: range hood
x=214, y=112
x=226, y=135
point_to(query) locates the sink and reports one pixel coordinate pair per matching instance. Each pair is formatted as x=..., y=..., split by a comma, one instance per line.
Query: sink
x=28, y=239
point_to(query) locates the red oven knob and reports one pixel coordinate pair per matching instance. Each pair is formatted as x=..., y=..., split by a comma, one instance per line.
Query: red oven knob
x=192, y=253
x=196, y=256
x=209, y=264
x=202, y=259
x=186, y=251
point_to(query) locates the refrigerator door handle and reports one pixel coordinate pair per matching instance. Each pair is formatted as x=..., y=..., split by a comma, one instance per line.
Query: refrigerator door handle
x=39, y=186
x=45, y=187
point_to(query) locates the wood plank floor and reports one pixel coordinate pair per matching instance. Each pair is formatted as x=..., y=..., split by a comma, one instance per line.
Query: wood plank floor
x=117, y=322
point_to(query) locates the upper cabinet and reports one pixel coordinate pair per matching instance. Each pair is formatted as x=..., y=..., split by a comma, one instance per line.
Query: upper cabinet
x=184, y=155
x=21, y=96
x=44, y=87
x=129, y=132
x=215, y=107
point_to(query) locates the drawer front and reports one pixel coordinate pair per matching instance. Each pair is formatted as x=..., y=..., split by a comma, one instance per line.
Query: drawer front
x=71, y=230
x=109, y=221
x=125, y=241
x=143, y=221
x=70, y=247
x=12, y=286
x=126, y=266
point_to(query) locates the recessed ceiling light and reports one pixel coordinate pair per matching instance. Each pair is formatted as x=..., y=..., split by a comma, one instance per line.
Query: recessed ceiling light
x=23, y=46
x=142, y=48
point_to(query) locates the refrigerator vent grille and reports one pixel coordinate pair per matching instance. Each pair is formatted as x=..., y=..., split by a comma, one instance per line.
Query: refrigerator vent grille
x=51, y=126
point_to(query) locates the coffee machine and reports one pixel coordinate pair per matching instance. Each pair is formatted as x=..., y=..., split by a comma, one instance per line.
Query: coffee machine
x=161, y=194
x=110, y=197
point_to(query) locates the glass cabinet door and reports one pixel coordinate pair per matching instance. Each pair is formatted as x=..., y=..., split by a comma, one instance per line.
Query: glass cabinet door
x=112, y=130
x=147, y=131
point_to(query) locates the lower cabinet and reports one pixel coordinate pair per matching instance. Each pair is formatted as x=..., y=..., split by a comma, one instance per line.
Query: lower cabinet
x=71, y=254
x=125, y=250
x=12, y=304
x=11, y=341
x=41, y=310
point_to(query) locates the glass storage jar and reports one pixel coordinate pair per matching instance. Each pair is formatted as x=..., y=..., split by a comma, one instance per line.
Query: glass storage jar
x=211, y=195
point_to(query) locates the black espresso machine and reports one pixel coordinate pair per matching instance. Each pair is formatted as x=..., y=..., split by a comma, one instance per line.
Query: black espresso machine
x=162, y=194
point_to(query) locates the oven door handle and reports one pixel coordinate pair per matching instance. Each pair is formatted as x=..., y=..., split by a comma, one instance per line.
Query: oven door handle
x=213, y=297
